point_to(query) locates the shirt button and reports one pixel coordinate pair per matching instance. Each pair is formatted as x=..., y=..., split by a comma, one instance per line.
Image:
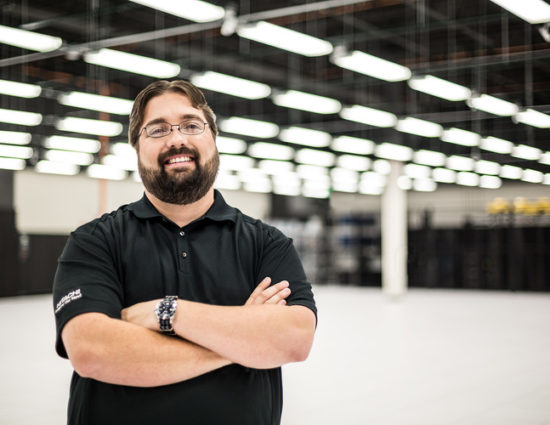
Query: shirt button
x=182, y=233
x=184, y=254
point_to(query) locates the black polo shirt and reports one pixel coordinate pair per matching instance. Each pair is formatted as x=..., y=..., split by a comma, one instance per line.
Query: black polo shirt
x=135, y=254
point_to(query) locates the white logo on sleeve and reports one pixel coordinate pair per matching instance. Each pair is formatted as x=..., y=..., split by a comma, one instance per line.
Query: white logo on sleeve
x=71, y=296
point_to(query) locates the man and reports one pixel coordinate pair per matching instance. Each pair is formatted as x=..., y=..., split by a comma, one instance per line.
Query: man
x=179, y=309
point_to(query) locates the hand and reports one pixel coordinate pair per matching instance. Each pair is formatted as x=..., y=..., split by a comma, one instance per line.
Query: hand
x=265, y=294
x=142, y=314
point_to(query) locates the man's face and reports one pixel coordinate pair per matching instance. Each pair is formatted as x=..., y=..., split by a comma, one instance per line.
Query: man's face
x=177, y=168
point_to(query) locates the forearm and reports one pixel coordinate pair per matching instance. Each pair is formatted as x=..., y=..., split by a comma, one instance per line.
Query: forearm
x=258, y=336
x=118, y=352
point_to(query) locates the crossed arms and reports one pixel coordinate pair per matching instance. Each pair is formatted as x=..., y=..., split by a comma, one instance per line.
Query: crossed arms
x=263, y=333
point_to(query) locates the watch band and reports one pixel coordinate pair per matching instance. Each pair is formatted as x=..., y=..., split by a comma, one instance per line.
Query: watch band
x=165, y=312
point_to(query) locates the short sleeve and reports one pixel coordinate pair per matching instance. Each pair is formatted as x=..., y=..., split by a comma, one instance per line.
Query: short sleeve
x=280, y=261
x=85, y=281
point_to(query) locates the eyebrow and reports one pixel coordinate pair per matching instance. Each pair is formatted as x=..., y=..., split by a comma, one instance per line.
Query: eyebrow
x=183, y=118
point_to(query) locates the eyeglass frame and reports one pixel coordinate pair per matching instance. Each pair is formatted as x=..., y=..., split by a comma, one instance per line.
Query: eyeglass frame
x=172, y=128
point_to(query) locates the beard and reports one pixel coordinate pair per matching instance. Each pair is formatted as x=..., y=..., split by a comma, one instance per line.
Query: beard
x=180, y=187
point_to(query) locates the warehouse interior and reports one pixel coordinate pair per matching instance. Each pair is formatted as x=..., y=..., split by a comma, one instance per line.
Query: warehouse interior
x=340, y=121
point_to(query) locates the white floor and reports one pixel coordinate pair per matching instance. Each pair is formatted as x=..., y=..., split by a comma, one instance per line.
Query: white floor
x=433, y=357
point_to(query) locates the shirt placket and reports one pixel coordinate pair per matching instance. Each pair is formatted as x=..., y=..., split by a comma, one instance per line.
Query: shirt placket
x=184, y=251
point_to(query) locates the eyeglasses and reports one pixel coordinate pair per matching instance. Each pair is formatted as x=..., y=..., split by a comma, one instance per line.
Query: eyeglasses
x=162, y=129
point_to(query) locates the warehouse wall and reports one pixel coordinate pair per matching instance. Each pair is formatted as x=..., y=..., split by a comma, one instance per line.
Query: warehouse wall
x=52, y=204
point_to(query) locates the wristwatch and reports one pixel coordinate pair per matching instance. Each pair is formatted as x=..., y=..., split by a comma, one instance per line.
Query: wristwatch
x=165, y=311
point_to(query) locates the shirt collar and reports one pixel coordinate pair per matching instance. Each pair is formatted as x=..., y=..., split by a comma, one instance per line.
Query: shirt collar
x=219, y=211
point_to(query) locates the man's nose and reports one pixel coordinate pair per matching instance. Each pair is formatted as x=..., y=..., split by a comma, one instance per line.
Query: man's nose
x=176, y=137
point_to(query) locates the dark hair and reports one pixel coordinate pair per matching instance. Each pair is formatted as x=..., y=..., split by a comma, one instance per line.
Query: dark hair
x=195, y=96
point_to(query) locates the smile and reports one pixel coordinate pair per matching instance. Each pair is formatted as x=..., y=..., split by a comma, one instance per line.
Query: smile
x=179, y=159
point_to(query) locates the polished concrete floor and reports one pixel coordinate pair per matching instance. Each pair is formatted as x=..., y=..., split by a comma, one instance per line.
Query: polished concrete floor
x=432, y=357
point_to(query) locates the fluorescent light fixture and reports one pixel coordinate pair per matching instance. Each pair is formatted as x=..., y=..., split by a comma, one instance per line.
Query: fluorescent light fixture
x=15, y=137
x=21, y=152
x=20, y=117
x=121, y=162
x=95, y=102
x=404, y=183
x=526, y=152
x=532, y=176
x=230, y=145
x=307, y=102
x=72, y=144
x=227, y=181
x=465, y=178
x=393, y=152
x=235, y=162
x=493, y=105
x=426, y=157
x=441, y=88
x=129, y=62
x=29, y=40
x=366, y=189
x=424, y=185
x=315, y=157
x=494, y=144
x=511, y=172
x=62, y=168
x=381, y=166
x=284, y=38
x=419, y=127
x=14, y=88
x=287, y=190
x=546, y=179
x=460, y=163
x=487, y=167
x=444, y=175
x=290, y=179
x=260, y=186
x=274, y=167
x=532, y=11
x=193, y=10
x=14, y=164
x=100, y=171
x=345, y=186
x=312, y=172
x=369, y=116
x=371, y=65
x=344, y=175
x=271, y=151
x=373, y=179
x=544, y=159
x=124, y=150
x=490, y=182
x=306, y=137
x=249, y=127
x=233, y=86
x=252, y=174
x=315, y=192
x=67, y=157
x=461, y=137
x=352, y=145
x=353, y=162
x=416, y=171
x=84, y=125
x=533, y=118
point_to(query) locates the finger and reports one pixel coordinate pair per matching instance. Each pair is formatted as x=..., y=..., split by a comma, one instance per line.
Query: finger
x=274, y=289
x=281, y=295
x=258, y=290
x=282, y=302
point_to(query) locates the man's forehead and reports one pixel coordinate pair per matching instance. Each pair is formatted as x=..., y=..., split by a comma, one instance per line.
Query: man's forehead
x=170, y=104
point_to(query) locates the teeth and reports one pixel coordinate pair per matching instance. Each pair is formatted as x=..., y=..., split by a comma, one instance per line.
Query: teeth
x=179, y=159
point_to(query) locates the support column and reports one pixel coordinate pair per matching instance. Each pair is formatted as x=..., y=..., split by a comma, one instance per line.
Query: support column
x=394, y=235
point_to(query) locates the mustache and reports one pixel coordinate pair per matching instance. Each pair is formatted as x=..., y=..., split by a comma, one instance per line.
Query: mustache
x=177, y=151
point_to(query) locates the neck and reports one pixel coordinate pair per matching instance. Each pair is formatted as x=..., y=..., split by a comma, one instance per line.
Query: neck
x=182, y=215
